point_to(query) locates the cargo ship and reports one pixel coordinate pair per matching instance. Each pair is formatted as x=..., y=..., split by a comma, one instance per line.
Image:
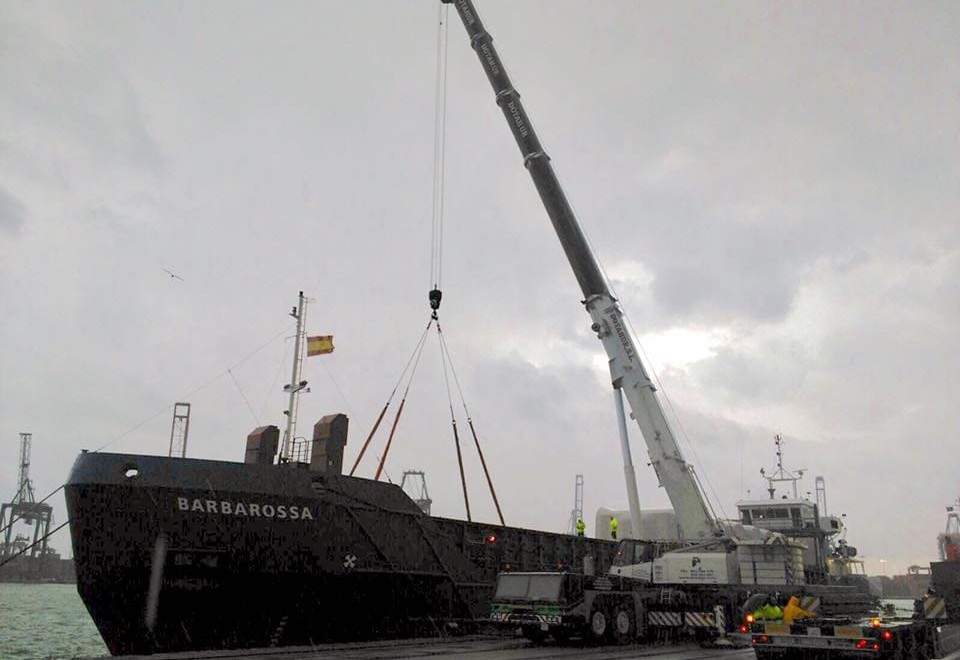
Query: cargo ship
x=176, y=554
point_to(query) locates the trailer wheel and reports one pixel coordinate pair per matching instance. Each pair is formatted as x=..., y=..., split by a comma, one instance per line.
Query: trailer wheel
x=533, y=633
x=599, y=624
x=624, y=624
x=924, y=645
x=907, y=645
x=898, y=653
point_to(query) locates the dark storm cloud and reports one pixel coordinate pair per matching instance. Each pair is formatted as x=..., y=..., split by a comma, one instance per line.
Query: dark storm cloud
x=771, y=164
x=75, y=99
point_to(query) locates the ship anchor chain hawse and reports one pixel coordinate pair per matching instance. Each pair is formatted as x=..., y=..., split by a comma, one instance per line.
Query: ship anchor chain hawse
x=182, y=554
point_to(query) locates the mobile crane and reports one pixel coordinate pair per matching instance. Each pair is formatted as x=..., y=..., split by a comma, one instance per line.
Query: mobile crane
x=626, y=370
x=718, y=564
x=628, y=375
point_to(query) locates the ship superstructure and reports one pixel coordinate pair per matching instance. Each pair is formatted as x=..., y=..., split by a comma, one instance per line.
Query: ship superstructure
x=827, y=554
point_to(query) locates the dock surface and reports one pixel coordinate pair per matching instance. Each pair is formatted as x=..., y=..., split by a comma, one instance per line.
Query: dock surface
x=482, y=647
x=464, y=648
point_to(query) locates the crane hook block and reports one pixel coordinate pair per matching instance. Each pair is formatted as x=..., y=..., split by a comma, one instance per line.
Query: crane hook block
x=435, y=296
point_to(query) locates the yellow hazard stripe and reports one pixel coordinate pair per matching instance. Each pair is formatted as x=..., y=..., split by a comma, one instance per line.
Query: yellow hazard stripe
x=934, y=608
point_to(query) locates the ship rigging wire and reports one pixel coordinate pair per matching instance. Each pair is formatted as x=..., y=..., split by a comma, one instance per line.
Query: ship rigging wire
x=243, y=396
x=40, y=540
x=194, y=391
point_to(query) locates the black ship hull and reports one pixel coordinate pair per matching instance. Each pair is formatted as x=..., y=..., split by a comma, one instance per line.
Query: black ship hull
x=184, y=554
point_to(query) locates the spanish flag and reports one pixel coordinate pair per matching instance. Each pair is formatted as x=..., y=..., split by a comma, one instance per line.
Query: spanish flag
x=319, y=345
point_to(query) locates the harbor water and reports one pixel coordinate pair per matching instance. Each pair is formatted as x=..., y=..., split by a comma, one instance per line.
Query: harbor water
x=46, y=622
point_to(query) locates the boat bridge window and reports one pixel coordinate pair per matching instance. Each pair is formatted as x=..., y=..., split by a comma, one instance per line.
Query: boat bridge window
x=632, y=551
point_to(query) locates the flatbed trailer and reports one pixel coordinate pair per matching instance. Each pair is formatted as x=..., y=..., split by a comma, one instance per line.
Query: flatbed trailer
x=894, y=639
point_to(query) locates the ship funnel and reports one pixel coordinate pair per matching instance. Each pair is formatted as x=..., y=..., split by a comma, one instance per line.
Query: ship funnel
x=262, y=445
x=329, y=439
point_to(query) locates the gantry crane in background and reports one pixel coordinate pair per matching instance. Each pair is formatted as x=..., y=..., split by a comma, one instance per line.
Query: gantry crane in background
x=417, y=489
x=24, y=507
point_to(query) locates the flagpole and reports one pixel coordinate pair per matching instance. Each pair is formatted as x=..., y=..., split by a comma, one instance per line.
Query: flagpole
x=296, y=385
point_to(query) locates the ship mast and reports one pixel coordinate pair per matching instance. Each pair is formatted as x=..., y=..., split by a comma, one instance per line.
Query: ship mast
x=781, y=474
x=295, y=386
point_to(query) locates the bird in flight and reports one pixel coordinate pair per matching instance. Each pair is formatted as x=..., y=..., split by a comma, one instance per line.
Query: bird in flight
x=173, y=275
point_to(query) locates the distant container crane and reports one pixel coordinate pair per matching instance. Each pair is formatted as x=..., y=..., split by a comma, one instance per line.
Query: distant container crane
x=417, y=489
x=24, y=507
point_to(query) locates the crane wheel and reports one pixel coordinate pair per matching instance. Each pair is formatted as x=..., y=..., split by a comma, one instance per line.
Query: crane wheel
x=624, y=624
x=599, y=624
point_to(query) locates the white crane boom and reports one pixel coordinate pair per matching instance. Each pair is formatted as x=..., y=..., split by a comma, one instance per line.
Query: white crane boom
x=626, y=370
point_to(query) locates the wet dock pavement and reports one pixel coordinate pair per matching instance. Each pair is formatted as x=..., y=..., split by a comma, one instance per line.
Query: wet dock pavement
x=464, y=648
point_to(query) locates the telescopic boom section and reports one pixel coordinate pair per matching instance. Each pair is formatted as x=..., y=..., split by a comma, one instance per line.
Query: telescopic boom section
x=626, y=370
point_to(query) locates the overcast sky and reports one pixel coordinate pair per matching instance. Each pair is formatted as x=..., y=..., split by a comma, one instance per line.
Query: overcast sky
x=772, y=189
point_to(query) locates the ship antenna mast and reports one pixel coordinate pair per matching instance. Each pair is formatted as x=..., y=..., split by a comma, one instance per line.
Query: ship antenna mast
x=782, y=474
x=295, y=386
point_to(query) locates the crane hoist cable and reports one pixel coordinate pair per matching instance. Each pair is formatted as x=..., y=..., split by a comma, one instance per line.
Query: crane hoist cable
x=439, y=152
x=436, y=254
x=435, y=294
x=436, y=230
